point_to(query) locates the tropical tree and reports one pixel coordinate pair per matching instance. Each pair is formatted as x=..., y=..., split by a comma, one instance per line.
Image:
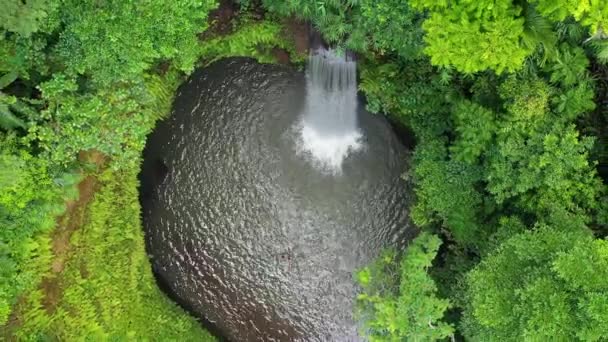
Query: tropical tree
x=545, y=284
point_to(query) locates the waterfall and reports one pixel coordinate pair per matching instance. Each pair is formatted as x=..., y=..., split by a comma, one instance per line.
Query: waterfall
x=329, y=130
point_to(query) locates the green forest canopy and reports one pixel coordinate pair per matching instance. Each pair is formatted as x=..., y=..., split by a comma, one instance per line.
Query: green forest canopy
x=507, y=100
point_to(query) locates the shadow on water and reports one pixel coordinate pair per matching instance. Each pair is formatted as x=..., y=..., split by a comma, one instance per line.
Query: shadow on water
x=154, y=171
x=210, y=327
x=404, y=134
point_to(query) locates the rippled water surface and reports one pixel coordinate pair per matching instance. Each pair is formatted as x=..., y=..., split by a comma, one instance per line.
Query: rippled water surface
x=246, y=230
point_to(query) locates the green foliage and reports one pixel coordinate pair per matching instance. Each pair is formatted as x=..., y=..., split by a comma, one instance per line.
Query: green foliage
x=601, y=50
x=252, y=39
x=411, y=92
x=495, y=27
x=329, y=16
x=108, y=47
x=108, y=290
x=244, y=4
x=113, y=121
x=591, y=13
x=25, y=17
x=24, y=58
x=500, y=35
x=575, y=101
x=476, y=127
x=30, y=199
x=446, y=194
x=410, y=309
x=549, y=284
x=537, y=157
x=495, y=155
x=538, y=34
x=570, y=67
x=8, y=118
x=74, y=76
x=386, y=26
x=546, y=170
x=98, y=54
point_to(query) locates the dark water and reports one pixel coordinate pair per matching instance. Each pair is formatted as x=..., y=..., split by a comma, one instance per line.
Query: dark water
x=249, y=233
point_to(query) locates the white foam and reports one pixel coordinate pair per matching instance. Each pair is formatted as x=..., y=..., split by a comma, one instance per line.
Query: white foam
x=328, y=132
x=326, y=152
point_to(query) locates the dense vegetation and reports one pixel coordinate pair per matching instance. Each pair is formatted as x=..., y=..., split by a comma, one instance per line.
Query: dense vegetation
x=507, y=100
x=81, y=77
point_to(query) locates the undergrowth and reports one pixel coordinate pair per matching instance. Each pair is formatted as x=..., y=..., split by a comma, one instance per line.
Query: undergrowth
x=250, y=38
x=108, y=290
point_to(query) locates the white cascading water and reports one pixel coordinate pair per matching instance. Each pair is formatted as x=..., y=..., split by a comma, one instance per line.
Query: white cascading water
x=329, y=130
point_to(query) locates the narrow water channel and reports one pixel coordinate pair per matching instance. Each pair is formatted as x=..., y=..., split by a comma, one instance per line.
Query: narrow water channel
x=250, y=221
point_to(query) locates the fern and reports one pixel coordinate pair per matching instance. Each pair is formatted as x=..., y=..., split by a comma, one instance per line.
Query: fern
x=250, y=39
x=8, y=120
x=538, y=34
x=601, y=51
